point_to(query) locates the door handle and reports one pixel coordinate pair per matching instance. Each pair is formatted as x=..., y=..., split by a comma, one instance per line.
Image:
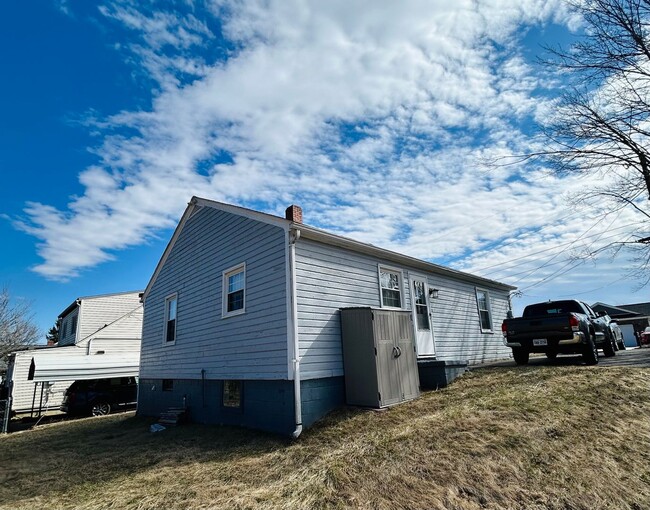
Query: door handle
x=397, y=352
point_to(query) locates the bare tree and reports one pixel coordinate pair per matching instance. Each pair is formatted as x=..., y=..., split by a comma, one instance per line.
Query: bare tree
x=17, y=329
x=601, y=125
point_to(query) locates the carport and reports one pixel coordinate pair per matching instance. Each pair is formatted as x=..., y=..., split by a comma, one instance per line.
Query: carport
x=98, y=366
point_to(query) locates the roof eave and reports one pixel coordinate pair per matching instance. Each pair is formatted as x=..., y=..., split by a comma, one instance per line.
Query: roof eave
x=69, y=309
x=369, y=249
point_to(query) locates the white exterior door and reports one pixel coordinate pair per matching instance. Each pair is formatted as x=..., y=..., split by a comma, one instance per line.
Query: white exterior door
x=422, y=317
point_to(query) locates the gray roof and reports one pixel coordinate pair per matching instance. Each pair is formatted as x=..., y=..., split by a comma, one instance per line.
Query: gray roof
x=640, y=308
x=322, y=236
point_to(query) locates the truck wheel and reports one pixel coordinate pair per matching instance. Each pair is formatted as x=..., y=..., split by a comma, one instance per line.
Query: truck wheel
x=608, y=347
x=590, y=352
x=520, y=355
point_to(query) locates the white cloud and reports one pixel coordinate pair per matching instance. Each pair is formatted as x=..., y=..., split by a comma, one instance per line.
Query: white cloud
x=375, y=116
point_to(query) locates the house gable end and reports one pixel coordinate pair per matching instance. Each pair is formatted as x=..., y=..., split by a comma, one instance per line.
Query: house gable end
x=197, y=203
x=249, y=339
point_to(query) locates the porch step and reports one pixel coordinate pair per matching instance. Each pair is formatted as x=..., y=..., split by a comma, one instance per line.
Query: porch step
x=173, y=416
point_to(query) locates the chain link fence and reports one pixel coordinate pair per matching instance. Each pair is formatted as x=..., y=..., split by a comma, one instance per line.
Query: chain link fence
x=5, y=414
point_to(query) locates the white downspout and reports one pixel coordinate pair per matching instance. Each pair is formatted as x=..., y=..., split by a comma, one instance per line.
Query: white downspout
x=294, y=235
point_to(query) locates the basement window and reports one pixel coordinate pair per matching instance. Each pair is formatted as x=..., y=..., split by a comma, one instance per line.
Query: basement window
x=232, y=393
x=168, y=384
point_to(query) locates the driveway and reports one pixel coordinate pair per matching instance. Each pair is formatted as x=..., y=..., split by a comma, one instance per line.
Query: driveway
x=639, y=357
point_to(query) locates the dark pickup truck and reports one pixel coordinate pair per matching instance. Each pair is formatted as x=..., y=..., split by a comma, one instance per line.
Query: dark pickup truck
x=558, y=327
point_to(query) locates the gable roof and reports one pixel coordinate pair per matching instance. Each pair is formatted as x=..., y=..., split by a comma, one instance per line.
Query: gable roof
x=315, y=234
x=640, y=308
x=617, y=311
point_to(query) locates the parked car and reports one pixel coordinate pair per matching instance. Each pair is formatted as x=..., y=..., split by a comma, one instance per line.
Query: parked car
x=99, y=396
x=617, y=335
x=558, y=327
x=644, y=338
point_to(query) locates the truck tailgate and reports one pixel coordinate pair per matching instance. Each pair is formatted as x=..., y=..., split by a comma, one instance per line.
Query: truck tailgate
x=551, y=327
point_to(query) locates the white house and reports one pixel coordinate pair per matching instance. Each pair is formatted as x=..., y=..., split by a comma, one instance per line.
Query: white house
x=99, y=337
x=242, y=316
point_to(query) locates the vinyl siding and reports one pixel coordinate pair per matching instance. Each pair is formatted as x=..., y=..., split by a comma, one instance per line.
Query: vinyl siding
x=66, y=326
x=127, y=327
x=97, y=312
x=122, y=346
x=252, y=345
x=457, y=326
x=329, y=278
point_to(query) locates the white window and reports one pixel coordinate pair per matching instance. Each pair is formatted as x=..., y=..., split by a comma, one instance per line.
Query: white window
x=171, y=310
x=234, y=291
x=484, y=313
x=390, y=285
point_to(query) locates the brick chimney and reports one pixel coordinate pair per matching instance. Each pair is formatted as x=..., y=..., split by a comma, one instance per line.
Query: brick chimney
x=294, y=213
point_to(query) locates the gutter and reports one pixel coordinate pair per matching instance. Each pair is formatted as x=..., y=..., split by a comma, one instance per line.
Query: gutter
x=294, y=235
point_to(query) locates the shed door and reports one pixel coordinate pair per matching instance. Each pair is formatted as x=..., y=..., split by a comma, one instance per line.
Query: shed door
x=388, y=375
x=422, y=317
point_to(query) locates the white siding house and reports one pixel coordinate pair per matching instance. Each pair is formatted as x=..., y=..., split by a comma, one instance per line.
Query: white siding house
x=91, y=328
x=242, y=316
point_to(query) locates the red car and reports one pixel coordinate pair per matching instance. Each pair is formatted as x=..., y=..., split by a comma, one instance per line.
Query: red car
x=644, y=339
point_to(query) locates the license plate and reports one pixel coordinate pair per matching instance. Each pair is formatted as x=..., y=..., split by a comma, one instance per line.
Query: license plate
x=540, y=341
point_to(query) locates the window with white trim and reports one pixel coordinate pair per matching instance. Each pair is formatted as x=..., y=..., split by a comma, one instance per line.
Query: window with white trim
x=483, y=304
x=171, y=310
x=234, y=290
x=390, y=284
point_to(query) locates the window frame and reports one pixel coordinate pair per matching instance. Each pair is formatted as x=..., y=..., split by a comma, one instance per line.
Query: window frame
x=488, y=304
x=168, y=299
x=231, y=408
x=231, y=271
x=400, y=277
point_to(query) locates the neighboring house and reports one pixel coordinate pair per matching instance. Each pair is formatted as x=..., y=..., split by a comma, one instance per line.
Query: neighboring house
x=632, y=319
x=98, y=335
x=242, y=321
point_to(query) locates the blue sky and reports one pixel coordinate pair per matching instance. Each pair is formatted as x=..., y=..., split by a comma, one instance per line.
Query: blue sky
x=376, y=117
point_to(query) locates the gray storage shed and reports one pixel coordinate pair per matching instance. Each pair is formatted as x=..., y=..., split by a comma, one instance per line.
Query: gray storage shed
x=379, y=359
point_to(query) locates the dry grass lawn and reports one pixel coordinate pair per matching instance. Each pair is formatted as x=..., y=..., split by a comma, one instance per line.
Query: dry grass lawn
x=517, y=438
